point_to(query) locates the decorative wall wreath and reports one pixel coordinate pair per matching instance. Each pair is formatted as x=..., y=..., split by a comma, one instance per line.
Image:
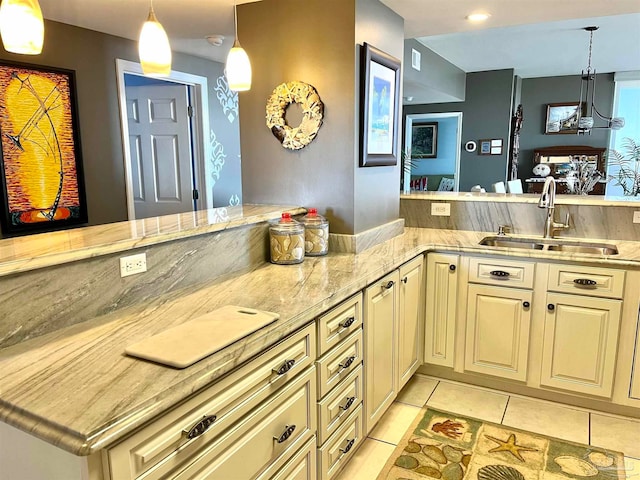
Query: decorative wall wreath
x=295, y=138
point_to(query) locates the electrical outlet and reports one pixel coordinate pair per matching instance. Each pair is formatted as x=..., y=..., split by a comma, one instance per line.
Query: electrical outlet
x=441, y=209
x=133, y=264
x=636, y=216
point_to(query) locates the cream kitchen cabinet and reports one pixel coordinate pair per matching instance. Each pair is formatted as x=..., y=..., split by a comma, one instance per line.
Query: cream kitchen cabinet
x=497, y=337
x=581, y=329
x=411, y=319
x=441, y=308
x=381, y=312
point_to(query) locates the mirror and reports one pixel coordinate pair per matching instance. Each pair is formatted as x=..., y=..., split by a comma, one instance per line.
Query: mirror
x=494, y=58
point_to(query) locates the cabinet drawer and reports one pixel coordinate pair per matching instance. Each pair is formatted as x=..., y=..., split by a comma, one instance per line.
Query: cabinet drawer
x=337, y=324
x=336, y=407
x=497, y=271
x=302, y=466
x=163, y=445
x=338, y=449
x=275, y=431
x=338, y=363
x=592, y=281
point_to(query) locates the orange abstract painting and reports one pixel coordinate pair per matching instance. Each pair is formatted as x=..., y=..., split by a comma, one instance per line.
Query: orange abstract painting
x=42, y=179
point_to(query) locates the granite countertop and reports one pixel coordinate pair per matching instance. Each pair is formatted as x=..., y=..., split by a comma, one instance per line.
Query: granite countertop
x=76, y=389
x=532, y=198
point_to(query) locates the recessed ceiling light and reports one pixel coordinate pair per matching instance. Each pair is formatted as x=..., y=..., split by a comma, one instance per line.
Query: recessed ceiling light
x=215, y=40
x=477, y=17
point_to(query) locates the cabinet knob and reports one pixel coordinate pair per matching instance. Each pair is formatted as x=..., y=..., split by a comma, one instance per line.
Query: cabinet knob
x=200, y=427
x=288, y=431
x=348, y=446
x=389, y=285
x=551, y=307
x=526, y=304
x=347, y=323
x=286, y=366
x=405, y=280
x=452, y=268
x=348, y=403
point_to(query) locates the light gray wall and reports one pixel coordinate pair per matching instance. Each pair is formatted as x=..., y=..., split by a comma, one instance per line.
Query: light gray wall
x=537, y=93
x=437, y=81
x=486, y=114
x=317, y=45
x=377, y=189
x=92, y=56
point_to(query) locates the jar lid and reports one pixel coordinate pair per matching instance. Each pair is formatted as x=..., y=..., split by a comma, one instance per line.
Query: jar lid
x=313, y=219
x=286, y=224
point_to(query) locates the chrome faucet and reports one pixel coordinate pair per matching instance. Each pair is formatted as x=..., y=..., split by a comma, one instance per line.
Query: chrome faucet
x=548, y=201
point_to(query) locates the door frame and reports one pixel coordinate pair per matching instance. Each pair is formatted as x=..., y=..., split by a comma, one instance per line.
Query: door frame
x=410, y=118
x=200, y=126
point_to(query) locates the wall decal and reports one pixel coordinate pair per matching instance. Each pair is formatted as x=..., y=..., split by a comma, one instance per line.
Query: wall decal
x=217, y=158
x=234, y=200
x=227, y=98
x=295, y=138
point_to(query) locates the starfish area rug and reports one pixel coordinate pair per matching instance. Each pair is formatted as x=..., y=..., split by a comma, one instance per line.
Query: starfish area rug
x=447, y=446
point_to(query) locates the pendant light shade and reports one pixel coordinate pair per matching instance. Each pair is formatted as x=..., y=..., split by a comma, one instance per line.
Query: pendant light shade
x=238, y=67
x=21, y=26
x=154, y=48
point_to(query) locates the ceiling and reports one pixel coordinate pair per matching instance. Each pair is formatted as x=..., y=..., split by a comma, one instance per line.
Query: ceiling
x=434, y=22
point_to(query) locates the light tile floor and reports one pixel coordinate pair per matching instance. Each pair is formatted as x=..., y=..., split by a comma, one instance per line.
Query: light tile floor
x=547, y=418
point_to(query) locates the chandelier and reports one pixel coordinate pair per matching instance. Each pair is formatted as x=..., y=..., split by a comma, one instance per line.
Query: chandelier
x=588, y=111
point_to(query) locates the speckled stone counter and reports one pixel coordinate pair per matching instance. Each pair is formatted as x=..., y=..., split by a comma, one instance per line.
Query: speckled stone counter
x=76, y=389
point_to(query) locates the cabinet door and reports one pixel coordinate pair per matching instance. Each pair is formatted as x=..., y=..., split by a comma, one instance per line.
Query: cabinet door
x=380, y=331
x=440, y=315
x=411, y=319
x=580, y=343
x=634, y=391
x=497, y=341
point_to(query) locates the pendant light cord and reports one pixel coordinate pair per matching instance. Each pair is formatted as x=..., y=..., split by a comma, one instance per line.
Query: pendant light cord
x=590, y=46
x=235, y=17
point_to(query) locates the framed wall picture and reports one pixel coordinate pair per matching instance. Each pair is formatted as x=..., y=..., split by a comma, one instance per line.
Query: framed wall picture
x=491, y=146
x=484, y=147
x=42, y=180
x=562, y=118
x=379, y=103
x=424, y=140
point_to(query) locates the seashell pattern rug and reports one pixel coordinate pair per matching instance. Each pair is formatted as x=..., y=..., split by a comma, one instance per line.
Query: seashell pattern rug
x=446, y=446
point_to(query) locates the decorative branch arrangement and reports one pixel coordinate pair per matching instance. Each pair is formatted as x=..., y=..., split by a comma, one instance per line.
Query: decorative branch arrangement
x=582, y=175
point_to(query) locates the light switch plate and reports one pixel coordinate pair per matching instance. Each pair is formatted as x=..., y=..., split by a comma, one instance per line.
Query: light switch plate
x=441, y=209
x=133, y=264
x=636, y=216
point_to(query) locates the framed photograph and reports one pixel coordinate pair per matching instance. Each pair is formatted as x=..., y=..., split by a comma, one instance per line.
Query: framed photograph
x=424, y=140
x=41, y=173
x=379, y=101
x=562, y=118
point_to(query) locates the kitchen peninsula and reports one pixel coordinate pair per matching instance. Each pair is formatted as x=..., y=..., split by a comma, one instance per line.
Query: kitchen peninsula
x=74, y=387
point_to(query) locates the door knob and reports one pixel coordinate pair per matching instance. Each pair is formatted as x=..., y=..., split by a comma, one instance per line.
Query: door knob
x=452, y=268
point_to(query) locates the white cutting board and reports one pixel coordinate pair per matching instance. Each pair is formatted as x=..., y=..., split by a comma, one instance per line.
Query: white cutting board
x=185, y=344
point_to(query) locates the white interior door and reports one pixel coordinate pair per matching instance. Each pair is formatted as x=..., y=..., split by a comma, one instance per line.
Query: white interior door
x=160, y=148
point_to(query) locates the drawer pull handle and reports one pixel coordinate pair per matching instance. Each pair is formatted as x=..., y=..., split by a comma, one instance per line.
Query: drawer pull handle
x=347, y=323
x=288, y=431
x=452, y=268
x=499, y=273
x=526, y=304
x=551, y=307
x=348, y=404
x=200, y=427
x=348, y=446
x=389, y=285
x=286, y=366
x=347, y=363
x=585, y=282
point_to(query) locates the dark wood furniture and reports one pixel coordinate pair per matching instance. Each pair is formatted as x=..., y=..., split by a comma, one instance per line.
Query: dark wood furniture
x=558, y=159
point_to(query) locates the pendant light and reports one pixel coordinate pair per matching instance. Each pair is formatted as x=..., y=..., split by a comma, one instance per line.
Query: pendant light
x=21, y=26
x=153, y=47
x=589, y=113
x=238, y=67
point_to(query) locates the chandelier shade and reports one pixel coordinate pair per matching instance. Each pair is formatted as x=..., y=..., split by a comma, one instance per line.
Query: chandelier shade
x=238, y=66
x=153, y=48
x=21, y=26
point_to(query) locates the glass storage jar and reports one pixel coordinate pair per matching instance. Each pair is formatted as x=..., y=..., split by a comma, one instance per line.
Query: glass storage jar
x=286, y=240
x=316, y=233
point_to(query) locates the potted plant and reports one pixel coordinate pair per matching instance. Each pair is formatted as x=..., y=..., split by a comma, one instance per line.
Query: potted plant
x=627, y=174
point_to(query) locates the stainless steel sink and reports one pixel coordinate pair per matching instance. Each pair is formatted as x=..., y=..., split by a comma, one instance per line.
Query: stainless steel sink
x=550, y=244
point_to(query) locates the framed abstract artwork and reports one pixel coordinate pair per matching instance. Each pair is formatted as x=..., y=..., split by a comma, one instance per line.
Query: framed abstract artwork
x=379, y=107
x=41, y=173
